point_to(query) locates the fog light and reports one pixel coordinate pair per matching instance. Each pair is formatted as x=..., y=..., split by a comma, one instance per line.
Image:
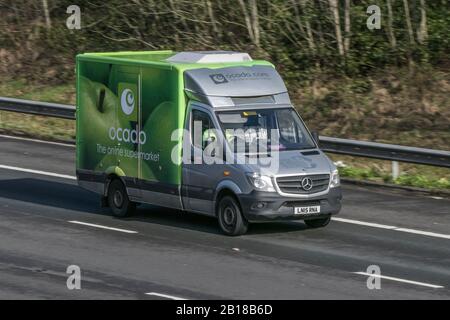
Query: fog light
x=258, y=205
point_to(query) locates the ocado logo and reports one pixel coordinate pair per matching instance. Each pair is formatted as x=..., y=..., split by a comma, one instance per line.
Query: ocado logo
x=127, y=135
x=127, y=101
x=218, y=78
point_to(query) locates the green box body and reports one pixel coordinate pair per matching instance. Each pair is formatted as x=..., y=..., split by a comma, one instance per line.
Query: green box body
x=129, y=106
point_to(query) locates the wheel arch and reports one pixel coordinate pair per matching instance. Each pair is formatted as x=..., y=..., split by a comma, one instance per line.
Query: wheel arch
x=112, y=173
x=226, y=187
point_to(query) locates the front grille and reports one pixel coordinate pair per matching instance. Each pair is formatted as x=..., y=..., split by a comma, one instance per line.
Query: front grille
x=293, y=184
x=293, y=204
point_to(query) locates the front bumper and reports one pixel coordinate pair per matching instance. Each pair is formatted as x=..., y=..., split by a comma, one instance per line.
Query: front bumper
x=260, y=206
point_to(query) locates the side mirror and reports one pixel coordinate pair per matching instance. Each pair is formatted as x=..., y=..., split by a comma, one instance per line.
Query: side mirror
x=208, y=141
x=315, y=136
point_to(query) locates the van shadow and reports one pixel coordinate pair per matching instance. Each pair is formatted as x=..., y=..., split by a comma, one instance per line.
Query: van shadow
x=71, y=197
x=197, y=222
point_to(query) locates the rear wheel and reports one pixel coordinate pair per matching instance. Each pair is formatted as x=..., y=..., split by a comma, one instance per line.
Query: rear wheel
x=118, y=200
x=231, y=220
x=318, y=223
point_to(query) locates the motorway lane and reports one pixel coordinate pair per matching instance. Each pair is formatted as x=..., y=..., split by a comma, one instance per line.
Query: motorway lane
x=184, y=255
x=47, y=156
x=390, y=207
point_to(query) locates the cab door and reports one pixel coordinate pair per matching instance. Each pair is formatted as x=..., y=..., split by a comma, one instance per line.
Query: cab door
x=199, y=178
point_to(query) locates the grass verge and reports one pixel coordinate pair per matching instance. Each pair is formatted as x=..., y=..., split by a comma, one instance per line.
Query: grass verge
x=46, y=128
x=413, y=175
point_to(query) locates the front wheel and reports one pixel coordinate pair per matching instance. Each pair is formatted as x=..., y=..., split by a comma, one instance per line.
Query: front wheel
x=230, y=217
x=118, y=200
x=318, y=223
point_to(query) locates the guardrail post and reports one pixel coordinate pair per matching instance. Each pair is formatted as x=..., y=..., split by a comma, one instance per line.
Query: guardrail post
x=395, y=170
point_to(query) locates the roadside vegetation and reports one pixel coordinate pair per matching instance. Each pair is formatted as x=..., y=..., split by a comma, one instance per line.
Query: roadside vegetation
x=35, y=126
x=380, y=171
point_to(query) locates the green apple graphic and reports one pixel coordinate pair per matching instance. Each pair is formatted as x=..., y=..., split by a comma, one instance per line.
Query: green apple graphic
x=95, y=116
x=158, y=128
x=100, y=110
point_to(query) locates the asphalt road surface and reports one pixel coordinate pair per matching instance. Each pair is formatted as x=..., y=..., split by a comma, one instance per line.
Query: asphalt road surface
x=48, y=223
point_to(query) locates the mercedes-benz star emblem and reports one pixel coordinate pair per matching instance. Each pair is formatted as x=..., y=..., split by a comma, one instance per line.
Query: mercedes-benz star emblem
x=307, y=184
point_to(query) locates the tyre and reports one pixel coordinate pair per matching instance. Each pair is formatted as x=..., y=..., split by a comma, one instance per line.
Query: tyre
x=229, y=214
x=318, y=223
x=118, y=200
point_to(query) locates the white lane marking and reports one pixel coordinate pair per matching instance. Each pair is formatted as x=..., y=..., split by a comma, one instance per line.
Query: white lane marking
x=434, y=286
x=162, y=295
x=424, y=233
x=37, y=140
x=102, y=227
x=394, y=228
x=45, y=173
x=369, y=224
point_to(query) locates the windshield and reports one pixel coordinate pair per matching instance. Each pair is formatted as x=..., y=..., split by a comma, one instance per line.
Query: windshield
x=261, y=130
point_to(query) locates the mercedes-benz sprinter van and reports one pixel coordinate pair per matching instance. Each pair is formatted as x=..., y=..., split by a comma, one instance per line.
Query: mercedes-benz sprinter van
x=208, y=132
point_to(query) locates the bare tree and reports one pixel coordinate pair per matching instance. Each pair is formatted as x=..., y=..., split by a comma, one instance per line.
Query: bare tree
x=337, y=26
x=411, y=36
x=251, y=20
x=309, y=32
x=422, y=33
x=299, y=24
x=408, y=22
x=212, y=17
x=177, y=15
x=48, y=22
x=255, y=21
x=390, y=28
x=347, y=26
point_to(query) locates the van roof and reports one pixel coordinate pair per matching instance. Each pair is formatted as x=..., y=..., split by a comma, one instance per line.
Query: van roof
x=171, y=59
x=209, y=57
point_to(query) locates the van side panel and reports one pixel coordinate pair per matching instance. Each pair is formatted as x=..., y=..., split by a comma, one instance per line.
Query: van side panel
x=126, y=115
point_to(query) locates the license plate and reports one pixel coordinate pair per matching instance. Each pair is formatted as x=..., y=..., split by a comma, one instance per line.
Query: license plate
x=307, y=210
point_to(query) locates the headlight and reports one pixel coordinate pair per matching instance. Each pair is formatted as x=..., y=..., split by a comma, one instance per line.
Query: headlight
x=260, y=182
x=335, y=181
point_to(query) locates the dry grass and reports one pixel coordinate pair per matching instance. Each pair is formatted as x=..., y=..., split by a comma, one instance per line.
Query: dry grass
x=381, y=171
x=397, y=108
x=36, y=126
